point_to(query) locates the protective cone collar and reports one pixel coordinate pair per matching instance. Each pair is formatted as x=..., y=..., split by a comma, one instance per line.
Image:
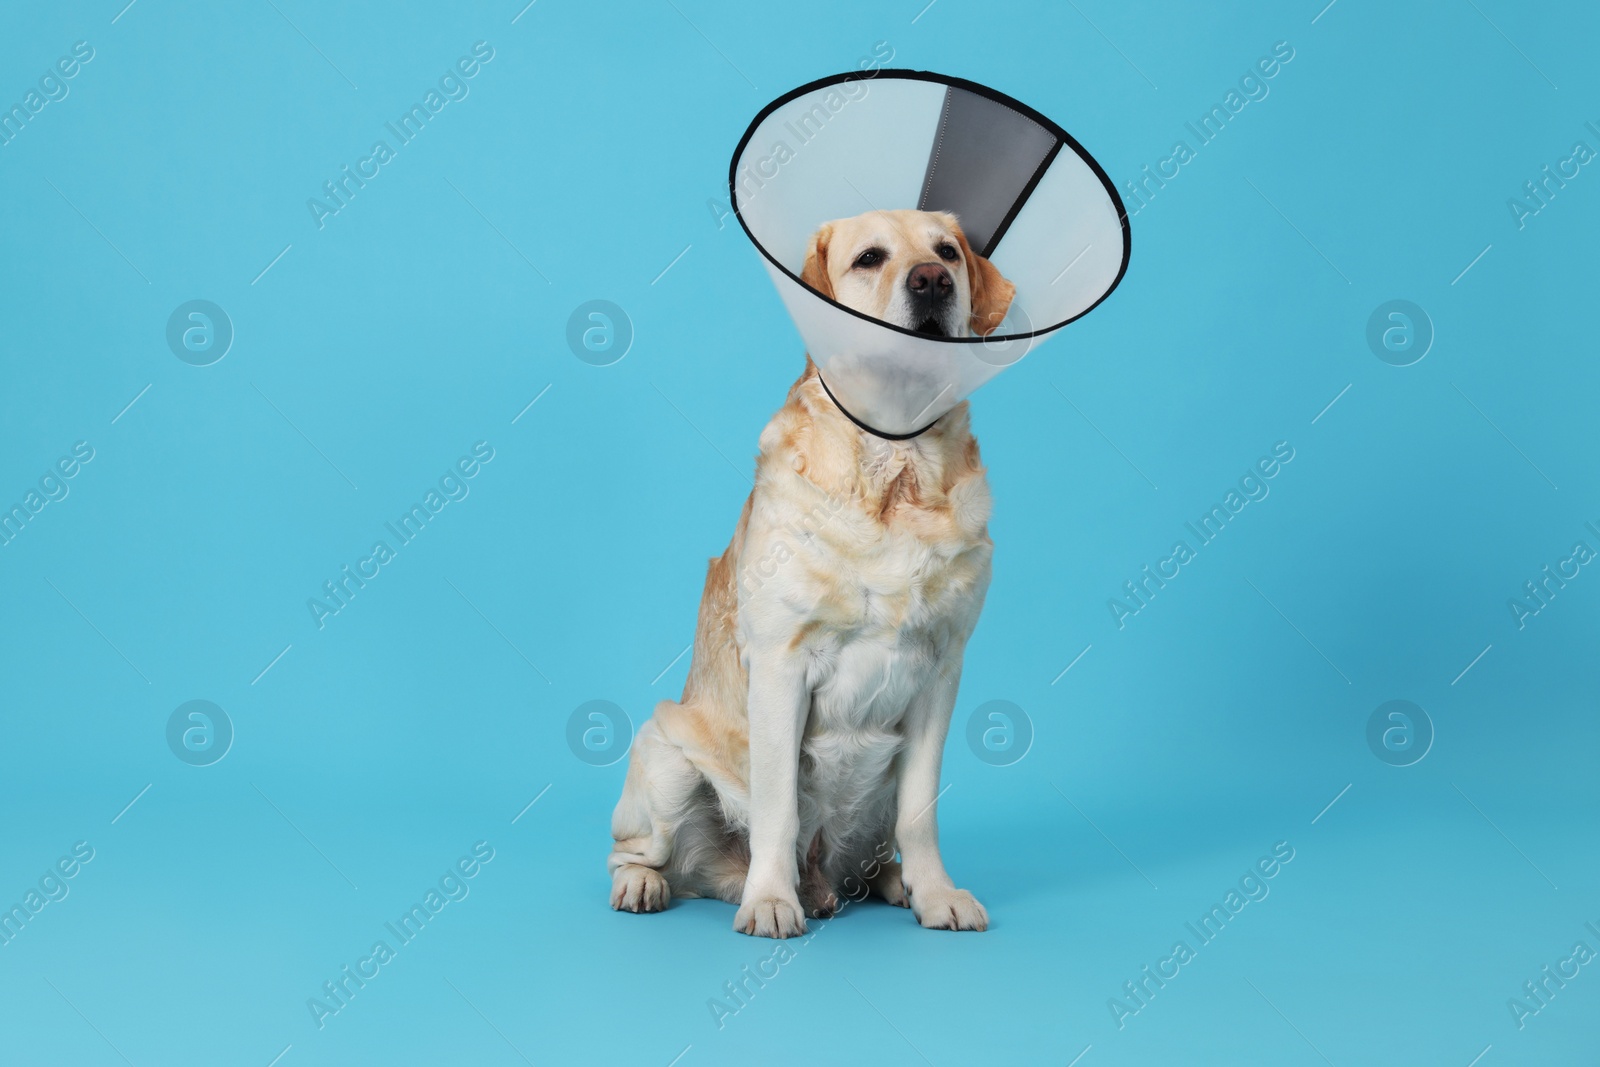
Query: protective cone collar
x=1029, y=198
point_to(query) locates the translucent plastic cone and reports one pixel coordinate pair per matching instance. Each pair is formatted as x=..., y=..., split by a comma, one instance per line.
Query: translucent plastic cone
x=1028, y=196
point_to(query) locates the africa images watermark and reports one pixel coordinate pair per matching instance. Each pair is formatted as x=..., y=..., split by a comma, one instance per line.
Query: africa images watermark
x=741, y=992
x=52, y=88
x=1540, y=591
x=1137, y=993
x=52, y=887
x=453, y=86
x=1252, y=487
x=1536, y=195
x=1537, y=994
x=338, y=992
x=754, y=175
x=453, y=486
x=53, y=487
x=786, y=544
x=1252, y=88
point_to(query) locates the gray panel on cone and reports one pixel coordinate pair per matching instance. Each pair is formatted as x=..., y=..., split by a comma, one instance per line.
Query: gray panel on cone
x=984, y=157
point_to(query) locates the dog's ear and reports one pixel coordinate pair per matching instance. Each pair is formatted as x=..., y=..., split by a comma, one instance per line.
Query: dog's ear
x=991, y=292
x=815, y=272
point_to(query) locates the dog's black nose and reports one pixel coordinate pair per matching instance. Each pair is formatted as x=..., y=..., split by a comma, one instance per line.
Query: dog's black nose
x=929, y=283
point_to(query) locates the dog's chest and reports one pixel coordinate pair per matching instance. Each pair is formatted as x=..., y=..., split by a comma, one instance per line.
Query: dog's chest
x=879, y=626
x=874, y=607
x=878, y=639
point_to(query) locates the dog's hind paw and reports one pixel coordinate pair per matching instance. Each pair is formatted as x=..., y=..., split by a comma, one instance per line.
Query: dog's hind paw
x=638, y=888
x=948, y=908
x=770, y=917
x=887, y=884
x=824, y=906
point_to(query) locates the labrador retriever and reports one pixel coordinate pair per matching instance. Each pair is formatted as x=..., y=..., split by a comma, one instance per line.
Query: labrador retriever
x=805, y=751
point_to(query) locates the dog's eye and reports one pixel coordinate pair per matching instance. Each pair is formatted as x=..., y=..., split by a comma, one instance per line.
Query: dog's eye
x=948, y=252
x=870, y=258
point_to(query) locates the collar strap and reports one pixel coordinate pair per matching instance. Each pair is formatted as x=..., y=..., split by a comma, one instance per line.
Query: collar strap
x=869, y=429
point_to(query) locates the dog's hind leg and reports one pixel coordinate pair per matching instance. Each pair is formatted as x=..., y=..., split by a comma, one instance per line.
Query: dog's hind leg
x=637, y=888
x=711, y=859
x=660, y=786
x=669, y=830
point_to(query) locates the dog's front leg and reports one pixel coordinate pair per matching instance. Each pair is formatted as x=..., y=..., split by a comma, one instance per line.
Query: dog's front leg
x=935, y=900
x=779, y=703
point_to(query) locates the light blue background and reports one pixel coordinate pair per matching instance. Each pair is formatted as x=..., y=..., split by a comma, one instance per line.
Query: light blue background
x=424, y=718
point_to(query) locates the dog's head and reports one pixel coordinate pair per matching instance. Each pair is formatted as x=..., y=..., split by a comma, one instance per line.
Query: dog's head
x=909, y=268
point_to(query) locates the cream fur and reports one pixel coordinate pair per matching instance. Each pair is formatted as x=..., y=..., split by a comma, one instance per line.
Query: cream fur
x=805, y=749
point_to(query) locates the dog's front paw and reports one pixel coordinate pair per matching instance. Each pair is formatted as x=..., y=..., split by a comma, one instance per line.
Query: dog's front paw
x=770, y=917
x=948, y=908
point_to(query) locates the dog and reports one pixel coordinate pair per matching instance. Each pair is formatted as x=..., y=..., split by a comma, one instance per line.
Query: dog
x=805, y=751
